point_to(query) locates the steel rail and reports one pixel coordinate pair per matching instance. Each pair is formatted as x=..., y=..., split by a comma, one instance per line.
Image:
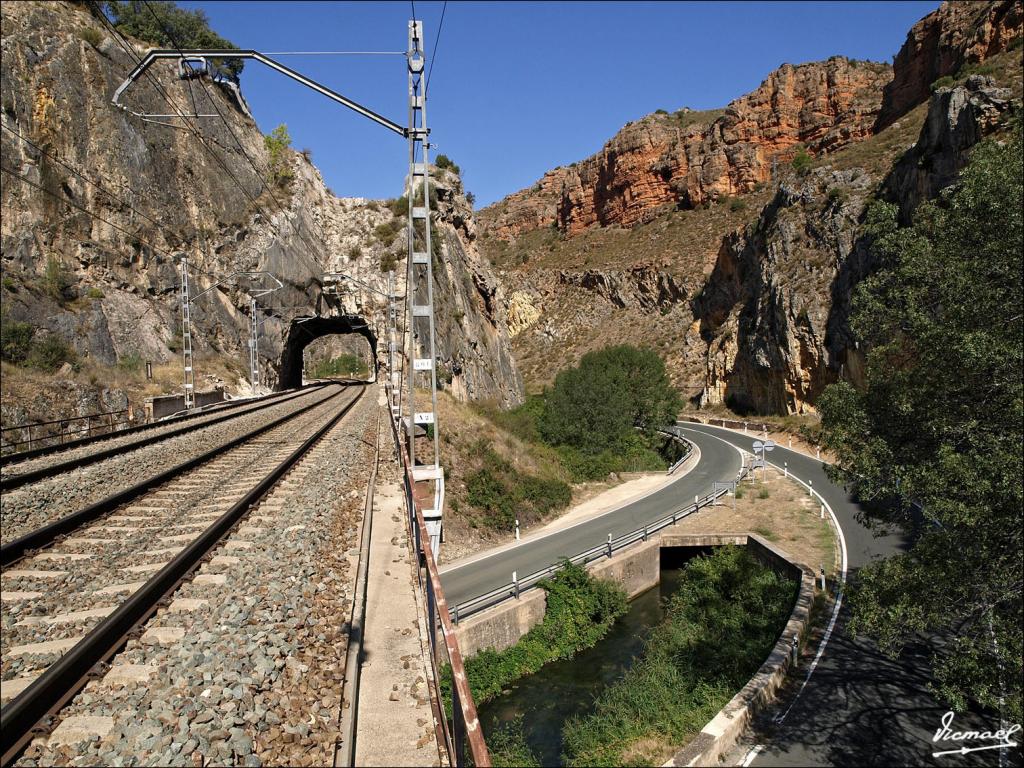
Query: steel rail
x=49, y=533
x=61, y=681
x=20, y=456
x=516, y=588
x=24, y=478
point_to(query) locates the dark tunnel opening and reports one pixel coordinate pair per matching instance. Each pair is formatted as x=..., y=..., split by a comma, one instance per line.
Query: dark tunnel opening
x=302, y=334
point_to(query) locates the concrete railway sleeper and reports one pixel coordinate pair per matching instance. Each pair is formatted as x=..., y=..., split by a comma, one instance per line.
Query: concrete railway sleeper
x=46, y=534
x=32, y=470
x=281, y=447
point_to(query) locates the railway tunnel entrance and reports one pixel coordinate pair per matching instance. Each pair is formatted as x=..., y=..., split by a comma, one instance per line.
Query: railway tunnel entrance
x=341, y=346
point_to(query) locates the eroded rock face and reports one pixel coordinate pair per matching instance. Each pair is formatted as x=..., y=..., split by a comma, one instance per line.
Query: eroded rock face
x=957, y=33
x=958, y=118
x=688, y=158
x=153, y=192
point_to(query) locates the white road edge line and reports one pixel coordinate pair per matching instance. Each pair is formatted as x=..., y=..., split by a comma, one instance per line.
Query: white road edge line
x=501, y=549
x=752, y=755
x=839, y=595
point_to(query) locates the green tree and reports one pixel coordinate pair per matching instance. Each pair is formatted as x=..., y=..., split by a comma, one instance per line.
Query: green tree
x=937, y=428
x=445, y=162
x=277, y=143
x=165, y=24
x=596, y=406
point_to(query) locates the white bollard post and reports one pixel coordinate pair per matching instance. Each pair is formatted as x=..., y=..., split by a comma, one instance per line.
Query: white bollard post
x=696, y=500
x=609, y=545
x=822, y=578
x=794, y=650
x=822, y=511
x=791, y=442
x=817, y=453
x=515, y=583
x=810, y=488
x=517, y=530
x=785, y=468
x=744, y=427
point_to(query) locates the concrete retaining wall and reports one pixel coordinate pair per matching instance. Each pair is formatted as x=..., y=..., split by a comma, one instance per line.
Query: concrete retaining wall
x=722, y=733
x=501, y=626
x=165, y=405
x=637, y=569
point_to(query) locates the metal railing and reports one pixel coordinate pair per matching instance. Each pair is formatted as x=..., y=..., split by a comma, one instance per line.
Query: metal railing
x=464, y=728
x=614, y=544
x=108, y=421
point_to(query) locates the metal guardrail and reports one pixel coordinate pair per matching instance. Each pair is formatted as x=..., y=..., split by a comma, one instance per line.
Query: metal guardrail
x=687, y=452
x=105, y=421
x=609, y=548
x=464, y=728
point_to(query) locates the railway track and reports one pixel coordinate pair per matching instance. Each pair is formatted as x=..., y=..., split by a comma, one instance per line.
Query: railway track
x=31, y=466
x=58, y=496
x=75, y=592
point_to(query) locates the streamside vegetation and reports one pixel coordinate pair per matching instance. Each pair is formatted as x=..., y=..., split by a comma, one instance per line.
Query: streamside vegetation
x=934, y=437
x=719, y=627
x=343, y=365
x=580, y=611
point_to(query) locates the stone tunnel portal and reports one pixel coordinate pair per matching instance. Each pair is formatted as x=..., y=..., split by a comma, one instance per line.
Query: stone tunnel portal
x=302, y=334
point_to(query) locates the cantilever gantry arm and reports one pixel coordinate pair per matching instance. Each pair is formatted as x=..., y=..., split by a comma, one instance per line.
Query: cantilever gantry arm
x=276, y=65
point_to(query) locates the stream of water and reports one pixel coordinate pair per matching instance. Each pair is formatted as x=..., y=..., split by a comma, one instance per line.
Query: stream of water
x=561, y=689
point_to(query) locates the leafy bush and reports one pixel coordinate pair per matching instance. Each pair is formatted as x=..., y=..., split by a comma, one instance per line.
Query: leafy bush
x=91, y=35
x=471, y=199
x=802, y=161
x=168, y=26
x=502, y=494
x=95, y=293
x=507, y=746
x=50, y=353
x=580, y=611
x=132, y=362
x=388, y=261
x=56, y=279
x=445, y=163
x=15, y=340
x=387, y=232
x=720, y=626
x=277, y=143
x=355, y=253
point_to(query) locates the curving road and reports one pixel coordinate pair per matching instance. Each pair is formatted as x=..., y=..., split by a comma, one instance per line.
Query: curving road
x=461, y=582
x=860, y=707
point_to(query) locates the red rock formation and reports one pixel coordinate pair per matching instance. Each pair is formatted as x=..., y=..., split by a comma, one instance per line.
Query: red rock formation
x=669, y=159
x=956, y=34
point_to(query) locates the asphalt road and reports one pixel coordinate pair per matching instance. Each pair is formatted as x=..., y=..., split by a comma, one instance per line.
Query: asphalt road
x=860, y=707
x=718, y=461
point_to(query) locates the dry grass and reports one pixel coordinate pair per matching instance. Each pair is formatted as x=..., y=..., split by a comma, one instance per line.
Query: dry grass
x=787, y=517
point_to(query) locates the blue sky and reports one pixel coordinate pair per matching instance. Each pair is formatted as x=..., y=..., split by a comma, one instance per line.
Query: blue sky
x=521, y=87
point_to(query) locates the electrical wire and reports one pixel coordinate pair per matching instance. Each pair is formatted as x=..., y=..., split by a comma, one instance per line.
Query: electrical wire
x=231, y=132
x=433, y=51
x=86, y=179
x=85, y=210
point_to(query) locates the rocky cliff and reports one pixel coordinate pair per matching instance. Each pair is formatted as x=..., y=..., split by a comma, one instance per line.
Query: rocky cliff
x=942, y=43
x=689, y=158
x=735, y=265
x=98, y=202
